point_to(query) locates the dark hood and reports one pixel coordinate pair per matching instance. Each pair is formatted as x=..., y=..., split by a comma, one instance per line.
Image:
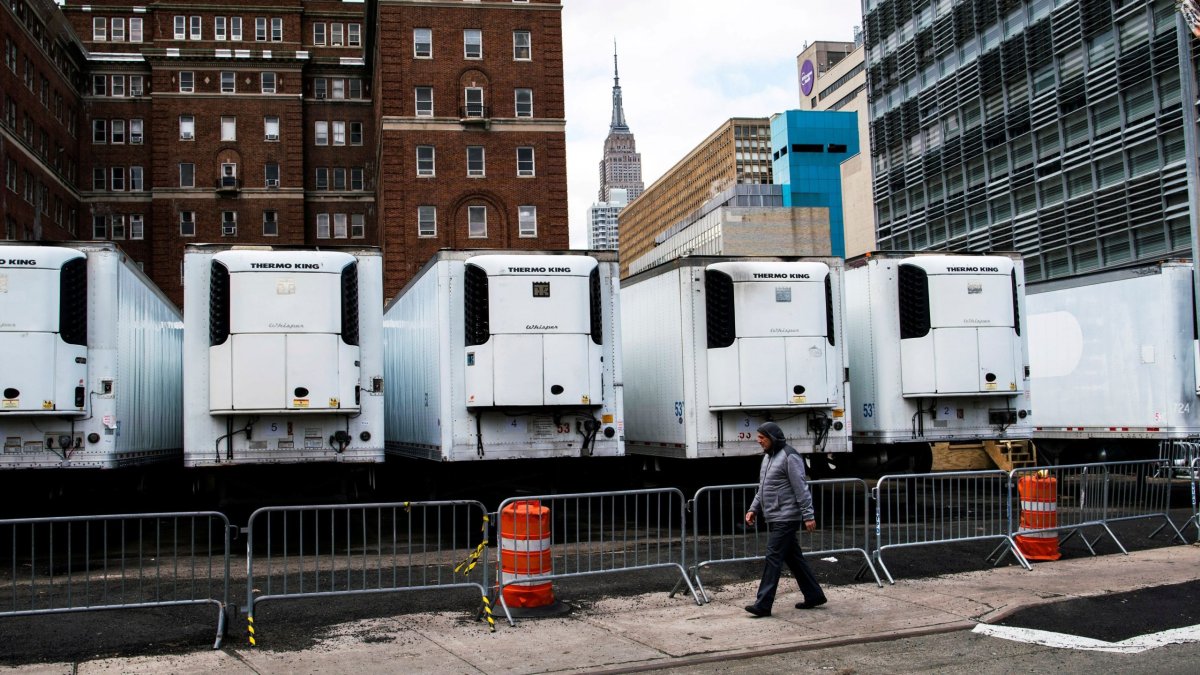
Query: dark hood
x=772, y=431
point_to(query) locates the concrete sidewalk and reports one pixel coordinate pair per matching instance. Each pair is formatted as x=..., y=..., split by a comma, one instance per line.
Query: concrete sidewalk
x=653, y=631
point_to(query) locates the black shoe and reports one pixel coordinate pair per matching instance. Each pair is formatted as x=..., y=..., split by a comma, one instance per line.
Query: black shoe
x=758, y=613
x=809, y=604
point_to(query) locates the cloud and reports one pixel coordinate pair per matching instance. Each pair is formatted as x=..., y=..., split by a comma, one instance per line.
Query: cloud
x=686, y=66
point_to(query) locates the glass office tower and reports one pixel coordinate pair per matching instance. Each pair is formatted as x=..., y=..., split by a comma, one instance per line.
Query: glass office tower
x=1049, y=127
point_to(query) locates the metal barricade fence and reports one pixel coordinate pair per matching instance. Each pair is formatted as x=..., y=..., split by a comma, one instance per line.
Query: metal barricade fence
x=1097, y=495
x=602, y=533
x=942, y=508
x=720, y=534
x=1184, y=459
x=348, y=549
x=120, y=561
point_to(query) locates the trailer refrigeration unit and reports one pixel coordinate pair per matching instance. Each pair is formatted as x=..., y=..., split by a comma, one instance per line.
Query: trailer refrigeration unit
x=1113, y=362
x=505, y=355
x=714, y=347
x=90, y=360
x=938, y=353
x=283, y=355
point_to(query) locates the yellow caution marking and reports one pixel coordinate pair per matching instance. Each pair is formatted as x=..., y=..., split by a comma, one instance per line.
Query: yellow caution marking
x=250, y=629
x=487, y=614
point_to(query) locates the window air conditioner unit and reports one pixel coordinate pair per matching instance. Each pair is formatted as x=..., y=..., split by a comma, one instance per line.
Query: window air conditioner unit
x=228, y=229
x=135, y=138
x=272, y=137
x=186, y=135
x=272, y=182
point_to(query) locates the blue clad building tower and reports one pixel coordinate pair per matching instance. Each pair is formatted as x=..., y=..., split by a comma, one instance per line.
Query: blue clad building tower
x=807, y=148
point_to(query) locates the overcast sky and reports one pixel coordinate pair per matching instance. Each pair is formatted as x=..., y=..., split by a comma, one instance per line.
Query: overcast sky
x=686, y=66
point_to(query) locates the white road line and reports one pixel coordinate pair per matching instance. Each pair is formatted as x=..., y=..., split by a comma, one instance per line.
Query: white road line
x=1133, y=645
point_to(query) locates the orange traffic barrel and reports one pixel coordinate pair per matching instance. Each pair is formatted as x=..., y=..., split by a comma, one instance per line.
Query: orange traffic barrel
x=525, y=553
x=1037, y=539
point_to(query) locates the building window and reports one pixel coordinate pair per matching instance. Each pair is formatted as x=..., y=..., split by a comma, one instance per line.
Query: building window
x=99, y=27
x=187, y=81
x=473, y=43
x=525, y=162
x=270, y=224
x=99, y=85
x=99, y=131
x=320, y=87
x=235, y=28
x=522, y=50
x=319, y=34
x=322, y=226
x=354, y=34
x=219, y=28
x=356, y=178
x=423, y=43
x=118, y=227
x=268, y=83
x=527, y=221
x=354, y=85
x=229, y=128
x=135, y=30
x=338, y=88
x=426, y=221
x=524, y=102
x=339, y=178
x=135, y=85
x=228, y=82
x=136, y=180
x=187, y=223
x=118, y=132
x=276, y=30
x=358, y=226
x=260, y=29
x=118, y=30
x=322, y=174
x=118, y=85
x=187, y=175
x=187, y=127
x=272, y=175
x=229, y=223
x=356, y=133
x=137, y=226
x=99, y=179
x=196, y=32
x=228, y=175
x=473, y=96
x=335, y=35
x=475, y=166
x=477, y=221
x=425, y=165
x=321, y=133
x=339, y=133
x=339, y=226
x=180, y=27
x=424, y=97
x=271, y=128
x=118, y=179
x=99, y=227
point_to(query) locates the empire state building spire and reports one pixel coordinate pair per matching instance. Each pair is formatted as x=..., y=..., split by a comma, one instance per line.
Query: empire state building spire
x=621, y=167
x=618, y=111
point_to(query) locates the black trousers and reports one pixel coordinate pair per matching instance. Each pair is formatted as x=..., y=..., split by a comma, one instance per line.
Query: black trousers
x=783, y=546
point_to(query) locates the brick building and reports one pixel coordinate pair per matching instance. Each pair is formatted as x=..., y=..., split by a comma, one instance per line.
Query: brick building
x=196, y=122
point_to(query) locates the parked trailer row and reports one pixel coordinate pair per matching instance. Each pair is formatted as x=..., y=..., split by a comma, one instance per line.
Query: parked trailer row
x=290, y=358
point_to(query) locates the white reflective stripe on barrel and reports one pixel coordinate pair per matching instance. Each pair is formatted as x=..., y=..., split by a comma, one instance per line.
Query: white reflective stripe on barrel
x=1038, y=534
x=509, y=578
x=1038, y=506
x=524, y=545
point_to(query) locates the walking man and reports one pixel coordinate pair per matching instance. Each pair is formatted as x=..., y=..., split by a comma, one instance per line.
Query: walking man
x=783, y=501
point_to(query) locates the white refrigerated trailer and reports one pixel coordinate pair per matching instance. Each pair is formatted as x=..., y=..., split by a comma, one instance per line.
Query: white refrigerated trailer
x=715, y=346
x=1113, y=361
x=91, y=367
x=283, y=355
x=505, y=355
x=938, y=352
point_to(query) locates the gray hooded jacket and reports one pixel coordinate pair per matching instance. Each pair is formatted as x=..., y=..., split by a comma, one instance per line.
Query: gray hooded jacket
x=783, y=493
